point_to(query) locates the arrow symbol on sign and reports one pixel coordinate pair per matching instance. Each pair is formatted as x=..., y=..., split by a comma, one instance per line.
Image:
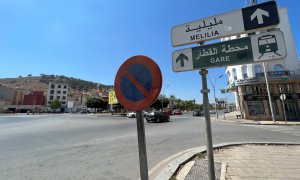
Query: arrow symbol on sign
x=181, y=58
x=259, y=15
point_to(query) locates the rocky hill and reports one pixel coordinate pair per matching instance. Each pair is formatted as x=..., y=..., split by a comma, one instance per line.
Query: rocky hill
x=40, y=83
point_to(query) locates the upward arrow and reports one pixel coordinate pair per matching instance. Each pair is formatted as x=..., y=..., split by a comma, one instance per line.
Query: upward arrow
x=259, y=15
x=181, y=58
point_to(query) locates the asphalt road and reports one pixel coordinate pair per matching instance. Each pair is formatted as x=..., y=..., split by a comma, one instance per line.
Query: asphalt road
x=105, y=147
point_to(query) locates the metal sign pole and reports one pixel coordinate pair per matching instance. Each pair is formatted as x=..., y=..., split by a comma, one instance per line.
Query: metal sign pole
x=209, y=146
x=283, y=107
x=142, y=145
x=268, y=90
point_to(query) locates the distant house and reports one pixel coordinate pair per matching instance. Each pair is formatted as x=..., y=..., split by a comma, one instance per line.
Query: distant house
x=57, y=92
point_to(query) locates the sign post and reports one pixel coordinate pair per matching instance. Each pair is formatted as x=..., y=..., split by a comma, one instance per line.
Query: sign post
x=283, y=97
x=137, y=85
x=209, y=145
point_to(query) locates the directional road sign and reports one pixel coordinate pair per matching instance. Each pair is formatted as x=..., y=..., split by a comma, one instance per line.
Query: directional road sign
x=244, y=20
x=138, y=83
x=257, y=48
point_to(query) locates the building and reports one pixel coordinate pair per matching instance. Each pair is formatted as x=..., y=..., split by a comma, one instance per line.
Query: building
x=249, y=84
x=34, y=98
x=57, y=92
x=6, y=95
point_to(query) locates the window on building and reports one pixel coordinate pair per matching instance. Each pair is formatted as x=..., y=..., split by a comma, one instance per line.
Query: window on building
x=264, y=89
x=63, y=102
x=64, y=97
x=65, y=87
x=58, y=97
x=258, y=69
x=58, y=92
x=51, y=91
x=282, y=88
x=52, y=86
x=278, y=67
x=49, y=102
x=51, y=97
x=245, y=71
x=234, y=74
x=64, y=92
x=249, y=90
x=256, y=108
x=59, y=86
x=290, y=88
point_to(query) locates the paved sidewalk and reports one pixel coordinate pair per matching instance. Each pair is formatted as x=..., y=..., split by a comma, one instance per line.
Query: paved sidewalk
x=231, y=117
x=259, y=162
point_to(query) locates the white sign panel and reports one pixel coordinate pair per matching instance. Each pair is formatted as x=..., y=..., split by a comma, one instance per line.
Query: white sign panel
x=268, y=46
x=206, y=29
x=235, y=22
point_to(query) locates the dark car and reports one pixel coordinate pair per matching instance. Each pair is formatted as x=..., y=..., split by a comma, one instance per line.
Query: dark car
x=157, y=117
x=198, y=112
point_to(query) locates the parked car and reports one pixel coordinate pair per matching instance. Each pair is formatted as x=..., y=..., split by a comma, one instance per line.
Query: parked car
x=226, y=111
x=157, y=117
x=85, y=111
x=212, y=112
x=198, y=112
x=131, y=115
x=177, y=112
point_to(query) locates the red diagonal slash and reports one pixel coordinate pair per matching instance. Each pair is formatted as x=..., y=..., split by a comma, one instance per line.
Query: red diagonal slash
x=136, y=84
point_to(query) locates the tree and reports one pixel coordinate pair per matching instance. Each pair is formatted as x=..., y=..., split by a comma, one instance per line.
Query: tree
x=96, y=103
x=55, y=104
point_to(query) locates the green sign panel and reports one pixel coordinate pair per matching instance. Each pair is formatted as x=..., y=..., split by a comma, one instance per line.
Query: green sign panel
x=247, y=50
x=238, y=51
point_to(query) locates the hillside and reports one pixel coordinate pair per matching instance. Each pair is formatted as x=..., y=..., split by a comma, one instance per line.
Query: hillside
x=40, y=83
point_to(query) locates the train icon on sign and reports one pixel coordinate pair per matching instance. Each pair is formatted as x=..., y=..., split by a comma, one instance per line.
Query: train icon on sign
x=267, y=44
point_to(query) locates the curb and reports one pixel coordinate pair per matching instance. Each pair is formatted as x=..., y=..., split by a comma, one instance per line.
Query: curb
x=185, y=156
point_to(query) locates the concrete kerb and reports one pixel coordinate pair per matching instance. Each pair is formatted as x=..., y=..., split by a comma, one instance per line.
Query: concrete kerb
x=180, y=159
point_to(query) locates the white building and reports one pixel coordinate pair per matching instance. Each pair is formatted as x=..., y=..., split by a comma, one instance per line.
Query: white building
x=57, y=92
x=248, y=82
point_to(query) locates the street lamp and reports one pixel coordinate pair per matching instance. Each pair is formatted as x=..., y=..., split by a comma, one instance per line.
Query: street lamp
x=162, y=97
x=213, y=86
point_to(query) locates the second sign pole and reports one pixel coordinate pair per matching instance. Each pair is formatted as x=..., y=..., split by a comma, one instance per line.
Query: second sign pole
x=142, y=145
x=209, y=145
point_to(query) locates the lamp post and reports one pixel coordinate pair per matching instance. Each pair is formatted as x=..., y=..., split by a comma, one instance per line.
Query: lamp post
x=213, y=86
x=162, y=97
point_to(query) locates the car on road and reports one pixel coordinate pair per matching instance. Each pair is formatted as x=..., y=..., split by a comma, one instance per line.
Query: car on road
x=177, y=112
x=131, y=115
x=85, y=111
x=198, y=112
x=157, y=117
x=226, y=111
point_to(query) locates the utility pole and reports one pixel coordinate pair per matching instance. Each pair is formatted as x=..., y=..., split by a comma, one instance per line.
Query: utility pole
x=214, y=88
x=162, y=97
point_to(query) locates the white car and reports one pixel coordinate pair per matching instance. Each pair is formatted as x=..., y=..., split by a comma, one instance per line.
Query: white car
x=131, y=115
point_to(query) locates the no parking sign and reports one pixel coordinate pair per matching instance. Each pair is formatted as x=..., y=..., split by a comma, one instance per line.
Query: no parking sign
x=138, y=83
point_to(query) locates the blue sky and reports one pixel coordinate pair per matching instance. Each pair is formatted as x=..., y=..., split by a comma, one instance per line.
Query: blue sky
x=90, y=39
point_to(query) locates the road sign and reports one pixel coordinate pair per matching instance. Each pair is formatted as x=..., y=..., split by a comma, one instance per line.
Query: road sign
x=257, y=48
x=244, y=20
x=282, y=97
x=138, y=83
x=112, y=99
